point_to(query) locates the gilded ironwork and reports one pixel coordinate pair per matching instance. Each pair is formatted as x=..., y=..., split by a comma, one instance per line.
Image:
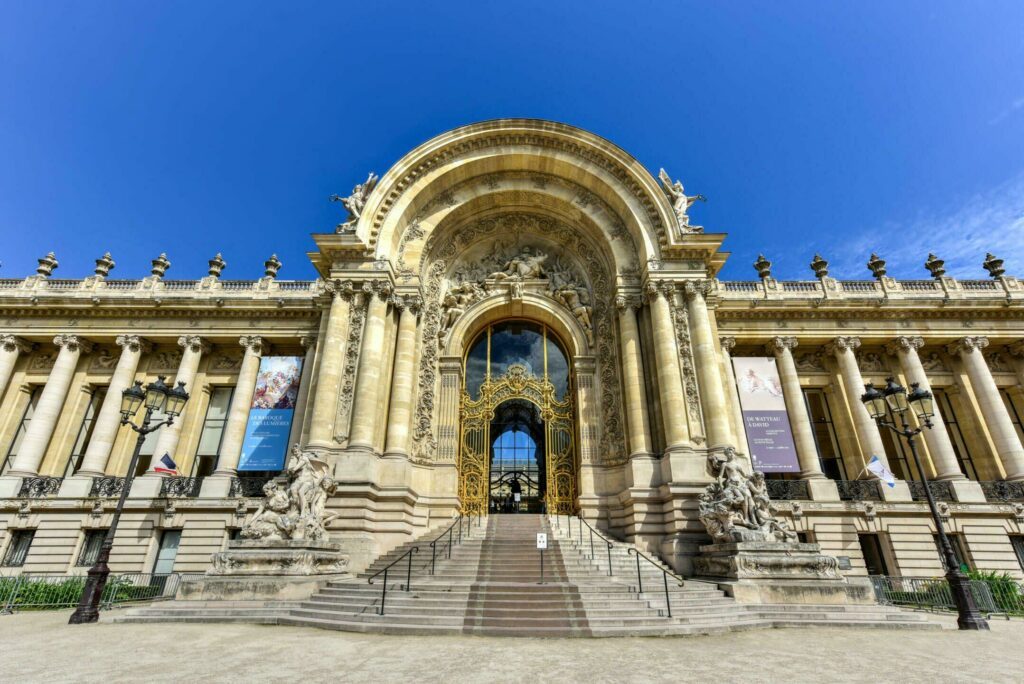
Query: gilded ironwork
x=475, y=439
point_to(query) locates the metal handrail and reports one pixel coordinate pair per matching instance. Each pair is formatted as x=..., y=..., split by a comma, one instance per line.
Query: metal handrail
x=433, y=545
x=608, y=542
x=408, y=576
x=664, y=576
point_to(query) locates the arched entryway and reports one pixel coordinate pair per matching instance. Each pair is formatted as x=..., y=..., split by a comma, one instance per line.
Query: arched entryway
x=517, y=421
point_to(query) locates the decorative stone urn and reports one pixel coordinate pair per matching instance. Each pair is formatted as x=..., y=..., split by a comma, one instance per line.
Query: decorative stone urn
x=754, y=555
x=284, y=552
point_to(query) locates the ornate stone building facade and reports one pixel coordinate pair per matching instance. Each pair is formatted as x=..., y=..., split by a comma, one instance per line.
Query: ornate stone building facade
x=510, y=273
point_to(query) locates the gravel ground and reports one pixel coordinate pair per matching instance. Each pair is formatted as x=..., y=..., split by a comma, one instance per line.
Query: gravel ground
x=38, y=647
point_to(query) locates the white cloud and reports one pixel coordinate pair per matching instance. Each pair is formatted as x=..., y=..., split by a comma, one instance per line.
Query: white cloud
x=987, y=222
x=1013, y=108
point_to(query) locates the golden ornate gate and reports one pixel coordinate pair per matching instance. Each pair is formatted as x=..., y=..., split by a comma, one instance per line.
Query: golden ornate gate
x=559, y=444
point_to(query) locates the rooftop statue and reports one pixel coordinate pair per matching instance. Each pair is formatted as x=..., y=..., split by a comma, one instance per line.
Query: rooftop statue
x=680, y=201
x=355, y=202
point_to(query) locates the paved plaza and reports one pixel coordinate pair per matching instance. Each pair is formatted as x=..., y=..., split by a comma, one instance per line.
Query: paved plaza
x=40, y=647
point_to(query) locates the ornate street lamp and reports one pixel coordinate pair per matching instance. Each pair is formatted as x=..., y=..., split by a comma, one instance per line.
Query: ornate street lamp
x=157, y=396
x=894, y=398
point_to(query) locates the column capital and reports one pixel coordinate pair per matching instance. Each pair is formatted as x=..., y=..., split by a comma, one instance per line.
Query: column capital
x=966, y=345
x=779, y=344
x=308, y=341
x=414, y=303
x=624, y=301
x=73, y=343
x=1016, y=349
x=134, y=343
x=728, y=343
x=195, y=344
x=693, y=288
x=381, y=288
x=343, y=289
x=842, y=344
x=254, y=344
x=12, y=343
x=659, y=288
x=904, y=344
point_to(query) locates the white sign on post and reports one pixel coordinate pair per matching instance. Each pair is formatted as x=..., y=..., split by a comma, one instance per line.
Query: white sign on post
x=542, y=540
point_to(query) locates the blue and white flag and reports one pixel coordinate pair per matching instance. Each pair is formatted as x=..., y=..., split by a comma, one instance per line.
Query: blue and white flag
x=878, y=469
x=166, y=465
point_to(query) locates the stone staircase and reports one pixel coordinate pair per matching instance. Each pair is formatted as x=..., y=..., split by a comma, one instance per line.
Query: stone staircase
x=492, y=585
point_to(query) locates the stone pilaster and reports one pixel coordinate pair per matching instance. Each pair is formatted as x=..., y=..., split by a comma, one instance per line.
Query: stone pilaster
x=727, y=344
x=10, y=348
x=325, y=403
x=371, y=357
x=800, y=422
x=51, y=401
x=309, y=344
x=637, y=416
x=108, y=420
x=193, y=348
x=450, y=368
x=940, y=447
x=712, y=391
x=238, y=413
x=1008, y=444
x=666, y=361
x=403, y=379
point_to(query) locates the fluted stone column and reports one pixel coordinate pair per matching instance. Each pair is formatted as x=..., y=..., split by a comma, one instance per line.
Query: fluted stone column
x=705, y=359
x=238, y=413
x=843, y=349
x=302, y=402
x=1008, y=445
x=51, y=401
x=728, y=344
x=799, y=420
x=332, y=360
x=637, y=417
x=371, y=357
x=666, y=359
x=108, y=420
x=403, y=379
x=193, y=348
x=940, y=447
x=10, y=348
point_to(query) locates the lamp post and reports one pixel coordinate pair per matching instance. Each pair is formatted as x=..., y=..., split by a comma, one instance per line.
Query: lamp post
x=895, y=398
x=156, y=397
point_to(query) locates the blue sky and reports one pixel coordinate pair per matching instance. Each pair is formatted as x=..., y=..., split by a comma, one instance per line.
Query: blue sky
x=195, y=127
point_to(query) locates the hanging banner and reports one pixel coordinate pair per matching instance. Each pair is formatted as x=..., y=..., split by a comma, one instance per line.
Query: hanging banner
x=265, y=446
x=769, y=437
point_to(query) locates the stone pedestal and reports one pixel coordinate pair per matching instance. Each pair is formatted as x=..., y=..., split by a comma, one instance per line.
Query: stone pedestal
x=262, y=569
x=780, y=572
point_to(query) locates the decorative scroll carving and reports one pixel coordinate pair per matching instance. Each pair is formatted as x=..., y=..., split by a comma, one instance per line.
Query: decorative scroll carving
x=297, y=510
x=736, y=507
x=681, y=323
x=357, y=316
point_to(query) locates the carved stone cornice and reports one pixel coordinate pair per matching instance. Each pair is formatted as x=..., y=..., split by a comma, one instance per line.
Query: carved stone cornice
x=778, y=344
x=74, y=343
x=14, y=344
x=728, y=344
x=195, y=343
x=842, y=344
x=134, y=343
x=904, y=344
x=254, y=344
x=966, y=345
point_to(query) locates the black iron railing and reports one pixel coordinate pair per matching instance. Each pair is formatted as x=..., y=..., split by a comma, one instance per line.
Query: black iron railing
x=592, y=532
x=1001, y=490
x=463, y=519
x=788, y=490
x=941, y=490
x=181, y=487
x=40, y=487
x=408, y=576
x=859, y=490
x=664, y=576
x=106, y=486
x=250, y=487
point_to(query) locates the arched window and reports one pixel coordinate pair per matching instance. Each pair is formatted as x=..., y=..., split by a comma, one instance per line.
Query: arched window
x=527, y=343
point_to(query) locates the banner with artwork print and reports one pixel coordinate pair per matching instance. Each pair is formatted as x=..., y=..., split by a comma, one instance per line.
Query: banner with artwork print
x=265, y=446
x=769, y=436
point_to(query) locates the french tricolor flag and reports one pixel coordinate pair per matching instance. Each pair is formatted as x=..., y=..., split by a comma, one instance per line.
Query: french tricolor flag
x=166, y=465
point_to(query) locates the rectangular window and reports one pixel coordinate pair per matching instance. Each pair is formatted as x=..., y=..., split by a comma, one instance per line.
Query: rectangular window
x=959, y=550
x=169, y=541
x=824, y=434
x=1018, y=548
x=149, y=445
x=22, y=428
x=805, y=537
x=17, y=549
x=85, y=431
x=1016, y=410
x=91, y=548
x=213, y=431
x=963, y=456
x=898, y=452
x=874, y=557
